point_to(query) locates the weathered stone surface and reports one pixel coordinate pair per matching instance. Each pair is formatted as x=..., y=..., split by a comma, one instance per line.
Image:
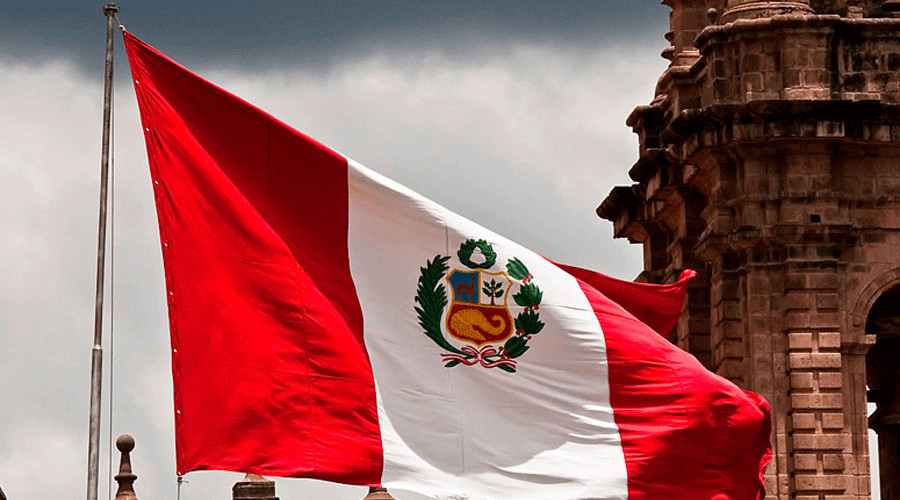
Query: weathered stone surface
x=378, y=494
x=770, y=162
x=253, y=487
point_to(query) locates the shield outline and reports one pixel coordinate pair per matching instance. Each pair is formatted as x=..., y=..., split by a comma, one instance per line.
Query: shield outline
x=456, y=306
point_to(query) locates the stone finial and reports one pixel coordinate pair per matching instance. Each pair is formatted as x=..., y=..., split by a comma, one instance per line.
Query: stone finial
x=378, y=493
x=253, y=487
x=125, y=478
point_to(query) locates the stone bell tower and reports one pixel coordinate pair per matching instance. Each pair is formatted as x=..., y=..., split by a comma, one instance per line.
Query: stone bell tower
x=769, y=161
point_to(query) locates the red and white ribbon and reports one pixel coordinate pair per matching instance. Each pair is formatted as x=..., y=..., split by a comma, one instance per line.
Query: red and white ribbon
x=477, y=356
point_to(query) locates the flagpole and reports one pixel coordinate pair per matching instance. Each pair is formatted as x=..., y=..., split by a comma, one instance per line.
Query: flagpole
x=110, y=11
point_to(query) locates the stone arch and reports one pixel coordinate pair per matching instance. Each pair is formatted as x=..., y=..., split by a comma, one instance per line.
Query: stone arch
x=857, y=343
x=865, y=337
x=883, y=383
x=883, y=283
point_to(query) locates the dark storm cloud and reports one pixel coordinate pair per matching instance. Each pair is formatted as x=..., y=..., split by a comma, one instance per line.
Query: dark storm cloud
x=510, y=113
x=315, y=32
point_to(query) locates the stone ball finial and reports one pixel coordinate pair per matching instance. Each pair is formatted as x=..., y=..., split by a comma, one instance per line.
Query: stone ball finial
x=125, y=477
x=712, y=14
x=125, y=443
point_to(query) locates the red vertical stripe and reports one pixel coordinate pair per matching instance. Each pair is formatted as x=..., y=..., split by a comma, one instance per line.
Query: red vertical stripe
x=253, y=221
x=686, y=433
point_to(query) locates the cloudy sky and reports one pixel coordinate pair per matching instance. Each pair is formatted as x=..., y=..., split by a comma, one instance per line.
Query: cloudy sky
x=508, y=112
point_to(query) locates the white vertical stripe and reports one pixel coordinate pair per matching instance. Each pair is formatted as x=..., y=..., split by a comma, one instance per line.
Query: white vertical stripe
x=469, y=432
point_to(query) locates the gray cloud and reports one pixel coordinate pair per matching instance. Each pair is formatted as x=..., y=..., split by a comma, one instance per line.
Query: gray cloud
x=313, y=33
x=524, y=136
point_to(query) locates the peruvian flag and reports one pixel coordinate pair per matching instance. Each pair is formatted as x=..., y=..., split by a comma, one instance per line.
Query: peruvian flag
x=327, y=322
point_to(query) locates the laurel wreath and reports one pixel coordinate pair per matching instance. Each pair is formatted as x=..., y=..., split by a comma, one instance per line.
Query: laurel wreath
x=468, y=247
x=431, y=297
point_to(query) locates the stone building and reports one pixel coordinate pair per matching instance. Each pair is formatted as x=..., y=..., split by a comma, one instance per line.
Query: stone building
x=769, y=161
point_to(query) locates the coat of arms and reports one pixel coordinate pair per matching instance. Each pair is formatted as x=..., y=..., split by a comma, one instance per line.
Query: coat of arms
x=479, y=316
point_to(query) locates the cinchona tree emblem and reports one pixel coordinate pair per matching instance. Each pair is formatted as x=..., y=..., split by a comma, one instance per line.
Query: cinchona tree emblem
x=478, y=315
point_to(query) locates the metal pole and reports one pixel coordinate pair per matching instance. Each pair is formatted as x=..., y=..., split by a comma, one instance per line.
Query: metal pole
x=110, y=11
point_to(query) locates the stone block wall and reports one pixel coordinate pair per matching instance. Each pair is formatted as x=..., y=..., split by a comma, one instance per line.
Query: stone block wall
x=770, y=163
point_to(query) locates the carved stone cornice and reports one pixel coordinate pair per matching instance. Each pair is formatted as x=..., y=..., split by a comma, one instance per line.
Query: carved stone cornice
x=759, y=121
x=867, y=26
x=768, y=8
